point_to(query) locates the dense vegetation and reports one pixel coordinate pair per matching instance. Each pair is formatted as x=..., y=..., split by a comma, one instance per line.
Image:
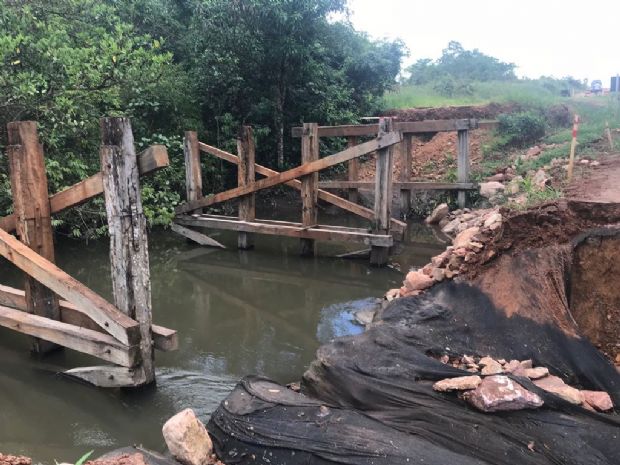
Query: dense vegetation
x=174, y=65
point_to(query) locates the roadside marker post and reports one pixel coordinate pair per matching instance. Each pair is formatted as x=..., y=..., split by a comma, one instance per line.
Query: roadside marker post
x=573, y=145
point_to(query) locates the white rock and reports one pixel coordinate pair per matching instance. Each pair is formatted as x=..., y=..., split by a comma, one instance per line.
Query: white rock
x=491, y=189
x=187, y=438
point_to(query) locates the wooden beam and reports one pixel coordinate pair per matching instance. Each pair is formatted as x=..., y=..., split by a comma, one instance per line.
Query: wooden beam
x=193, y=171
x=406, y=127
x=196, y=236
x=352, y=170
x=328, y=197
x=164, y=339
x=129, y=253
x=321, y=233
x=386, y=140
x=32, y=210
x=410, y=186
x=406, y=148
x=462, y=164
x=152, y=159
x=309, y=190
x=82, y=340
x=246, y=175
x=383, y=194
x=123, y=328
x=109, y=376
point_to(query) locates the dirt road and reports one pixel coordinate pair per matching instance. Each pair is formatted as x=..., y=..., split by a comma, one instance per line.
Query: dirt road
x=600, y=183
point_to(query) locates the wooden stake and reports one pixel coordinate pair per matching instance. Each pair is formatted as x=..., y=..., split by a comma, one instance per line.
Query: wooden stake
x=405, y=174
x=309, y=185
x=193, y=171
x=462, y=164
x=352, y=170
x=129, y=258
x=573, y=146
x=32, y=209
x=609, y=138
x=383, y=195
x=245, y=175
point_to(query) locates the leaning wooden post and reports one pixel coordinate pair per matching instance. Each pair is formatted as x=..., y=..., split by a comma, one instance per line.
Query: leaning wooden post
x=32, y=208
x=193, y=172
x=383, y=195
x=405, y=174
x=129, y=256
x=352, y=170
x=246, y=175
x=573, y=146
x=309, y=184
x=462, y=163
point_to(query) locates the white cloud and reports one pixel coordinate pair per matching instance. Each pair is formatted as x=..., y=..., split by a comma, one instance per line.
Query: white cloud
x=543, y=37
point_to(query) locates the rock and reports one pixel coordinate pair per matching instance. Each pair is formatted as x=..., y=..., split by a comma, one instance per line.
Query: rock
x=598, y=400
x=428, y=269
x=464, y=238
x=460, y=383
x=440, y=260
x=585, y=161
x=442, y=224
x=557, y=386
x=364, y=317
x=492, y=219
x=417, y=281
x=491, y=189
x=392, y=294
x=468, y=359
x=534, y=373
x=500, y=393
x=533, y=152
x=438, y=214
x=444, y=359
x=490, y=366
x=452, y=226
x=438, y=274
x=499, y=177
x=540, y=179
x=595, y=163
x=526, y=364
x=14, y=460
x=187, y=438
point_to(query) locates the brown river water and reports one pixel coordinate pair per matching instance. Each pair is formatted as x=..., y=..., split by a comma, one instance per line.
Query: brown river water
x=264, y=312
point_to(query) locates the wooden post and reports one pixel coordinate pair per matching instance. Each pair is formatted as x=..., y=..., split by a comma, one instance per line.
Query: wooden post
x=462, y=164
x=405, y=174
x=32, y=208
x=309, y=184
x=573, y=146
x=129, y=256
x=246, y=175
x=383, y=195
x=352, y=170
x=609, y=138
x=193, y=172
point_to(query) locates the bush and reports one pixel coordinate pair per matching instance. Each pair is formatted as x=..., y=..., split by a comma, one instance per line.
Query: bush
x=520, y=129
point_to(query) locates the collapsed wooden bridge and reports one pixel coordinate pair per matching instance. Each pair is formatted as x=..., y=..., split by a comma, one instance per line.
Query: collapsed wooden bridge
x=121, y=333
x=383, y=229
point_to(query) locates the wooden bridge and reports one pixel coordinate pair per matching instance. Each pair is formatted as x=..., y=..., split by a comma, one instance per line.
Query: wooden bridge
x=383, y=228
x=121, y=333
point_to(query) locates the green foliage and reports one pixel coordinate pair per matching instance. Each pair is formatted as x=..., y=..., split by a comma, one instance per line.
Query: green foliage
x=520, y=129
x=84, y=458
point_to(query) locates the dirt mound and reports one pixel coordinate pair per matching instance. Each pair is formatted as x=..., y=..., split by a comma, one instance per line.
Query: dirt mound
x=489, y=111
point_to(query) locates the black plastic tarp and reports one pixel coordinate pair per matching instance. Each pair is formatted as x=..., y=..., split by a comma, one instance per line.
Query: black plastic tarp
x=368, y=399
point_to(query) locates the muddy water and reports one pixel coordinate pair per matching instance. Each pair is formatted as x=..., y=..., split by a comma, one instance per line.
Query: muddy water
x=264, y=311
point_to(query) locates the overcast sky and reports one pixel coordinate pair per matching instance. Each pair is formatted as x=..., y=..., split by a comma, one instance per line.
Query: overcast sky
x=543, y=37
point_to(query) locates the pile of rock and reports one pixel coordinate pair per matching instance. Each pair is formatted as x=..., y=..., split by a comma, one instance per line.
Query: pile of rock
x=473, y=230
x=489, y=389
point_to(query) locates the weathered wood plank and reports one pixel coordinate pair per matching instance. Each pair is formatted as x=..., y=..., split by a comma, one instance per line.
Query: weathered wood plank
x=193, y=171
x=462, y=164
x=246, y=174
x=406, y=127
x=129, y=256
x=196, y=236
x=164, y=339
x=328, y=197
x=109, y=376
x=309, y=191
x=152, y=159
x=32, y=210
x=385, y=140
x=411, y=185
x=322, y=233
x=383, y=194
x=82, y=340
x=119, y=325
x=405, y=174
x=353, y=170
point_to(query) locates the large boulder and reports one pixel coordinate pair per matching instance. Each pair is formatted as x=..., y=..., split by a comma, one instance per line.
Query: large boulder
x=188, y=439
x=438, y=214
x=500, y=393
x=491, y=189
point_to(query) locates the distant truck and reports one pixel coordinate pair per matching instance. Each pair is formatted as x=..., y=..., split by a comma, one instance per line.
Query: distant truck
x=596, y=87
